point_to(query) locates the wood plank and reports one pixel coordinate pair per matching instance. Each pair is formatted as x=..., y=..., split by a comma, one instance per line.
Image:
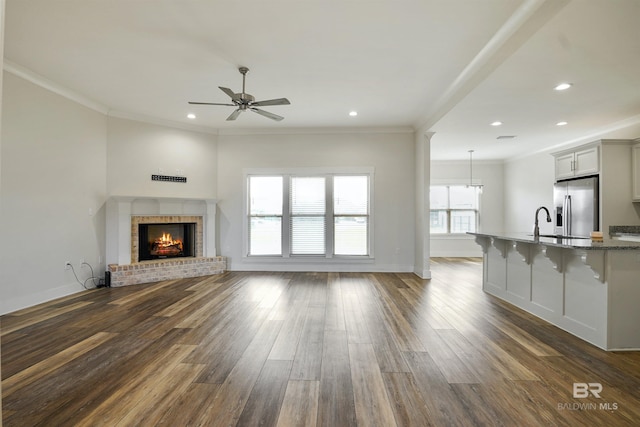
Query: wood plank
x=371, y=401
x=443, y=406
x=287, y=342
x=49, y=365
x=307, y=362
x=263, y=406
x=406, y=400
x=140, y=389
x=386, y=347
x=448, y=361
x=144, y=293
x=300, y=404
x=189, y=406
x=26, y=321
x=334, y=308
x=336, y=406
x=229, y=401
x=164, y=390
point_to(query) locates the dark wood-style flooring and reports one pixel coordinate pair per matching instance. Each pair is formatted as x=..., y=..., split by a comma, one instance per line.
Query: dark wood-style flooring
x=305, y=349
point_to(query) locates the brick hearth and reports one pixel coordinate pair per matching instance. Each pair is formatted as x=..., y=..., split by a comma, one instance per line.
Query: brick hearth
x=167, y=269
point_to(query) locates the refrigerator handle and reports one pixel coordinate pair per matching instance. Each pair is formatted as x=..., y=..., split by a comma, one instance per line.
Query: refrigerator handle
x=568, y=216
x=564, y=216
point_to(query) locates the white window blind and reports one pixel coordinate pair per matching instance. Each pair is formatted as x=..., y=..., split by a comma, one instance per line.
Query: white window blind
x=265, y=215
x=351, y=215
x=308, y=208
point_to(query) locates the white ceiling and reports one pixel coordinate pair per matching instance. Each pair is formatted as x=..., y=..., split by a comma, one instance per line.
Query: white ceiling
x=447, y=66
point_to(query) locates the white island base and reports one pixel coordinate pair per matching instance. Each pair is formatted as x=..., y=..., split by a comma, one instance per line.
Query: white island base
x=591, y=290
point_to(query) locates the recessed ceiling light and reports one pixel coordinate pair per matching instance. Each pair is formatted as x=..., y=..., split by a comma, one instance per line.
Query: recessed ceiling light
x=191, y=116
x=563, y=86
x=496, y=123
x=353, y=113
x=561, y=123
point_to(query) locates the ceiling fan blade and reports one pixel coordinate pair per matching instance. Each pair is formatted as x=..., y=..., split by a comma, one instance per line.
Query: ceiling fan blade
x=229, y=92
x=267, y=114
x=210, y=103
x=279, y=101
x=235, y=114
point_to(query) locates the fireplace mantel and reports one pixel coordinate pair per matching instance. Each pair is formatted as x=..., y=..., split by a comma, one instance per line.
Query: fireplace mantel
x=121, y=210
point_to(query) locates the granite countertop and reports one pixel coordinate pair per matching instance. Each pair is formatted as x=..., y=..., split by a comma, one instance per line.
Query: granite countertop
x=586, y=244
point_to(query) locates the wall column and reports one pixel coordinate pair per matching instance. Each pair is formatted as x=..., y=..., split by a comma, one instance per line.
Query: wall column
x=423, y=183
x=1, y=72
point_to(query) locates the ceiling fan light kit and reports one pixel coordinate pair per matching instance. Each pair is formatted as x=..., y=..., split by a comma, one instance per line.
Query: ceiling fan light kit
x=244, y=101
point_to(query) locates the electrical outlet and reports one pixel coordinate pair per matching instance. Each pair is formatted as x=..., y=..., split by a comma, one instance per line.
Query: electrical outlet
x=67, y=265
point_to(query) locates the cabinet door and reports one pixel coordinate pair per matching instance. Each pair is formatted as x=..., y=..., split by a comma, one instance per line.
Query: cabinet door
x=564, y=166
x=635, y=158
x=587, y=161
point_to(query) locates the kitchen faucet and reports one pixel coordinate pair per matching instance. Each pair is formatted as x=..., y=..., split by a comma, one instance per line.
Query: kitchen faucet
x=536, y=229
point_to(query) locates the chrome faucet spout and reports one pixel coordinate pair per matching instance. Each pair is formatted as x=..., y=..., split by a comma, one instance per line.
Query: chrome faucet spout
x=536, y=228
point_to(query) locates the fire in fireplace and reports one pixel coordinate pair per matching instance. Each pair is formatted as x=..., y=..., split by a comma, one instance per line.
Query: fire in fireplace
x=158, y=241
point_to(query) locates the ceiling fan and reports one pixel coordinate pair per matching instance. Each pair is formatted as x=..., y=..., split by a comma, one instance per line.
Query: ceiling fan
x=243, y=101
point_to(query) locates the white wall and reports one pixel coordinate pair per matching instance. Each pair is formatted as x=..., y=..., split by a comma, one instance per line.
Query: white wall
x=392, y=156
x=490, y=175
x=616, y=206
x=138, y=150
x=528, y=184
x=53, y=186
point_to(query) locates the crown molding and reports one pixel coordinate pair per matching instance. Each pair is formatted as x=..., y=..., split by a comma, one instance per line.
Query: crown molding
x=43, y=82
x=161, y=122
x=315, y=130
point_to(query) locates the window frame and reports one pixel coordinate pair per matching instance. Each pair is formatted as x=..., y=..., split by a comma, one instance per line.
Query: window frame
x=448, y=211
x=328, y=173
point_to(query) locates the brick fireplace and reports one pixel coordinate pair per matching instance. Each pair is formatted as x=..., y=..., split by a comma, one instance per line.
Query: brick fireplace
x=124, y=216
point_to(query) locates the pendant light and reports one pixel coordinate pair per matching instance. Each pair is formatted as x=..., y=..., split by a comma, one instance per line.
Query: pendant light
x=471, y=184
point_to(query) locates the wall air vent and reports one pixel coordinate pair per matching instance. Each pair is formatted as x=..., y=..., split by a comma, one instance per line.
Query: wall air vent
x=506, y=137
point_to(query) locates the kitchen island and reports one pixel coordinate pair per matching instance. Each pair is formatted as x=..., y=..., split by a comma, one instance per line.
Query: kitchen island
x=588, y=288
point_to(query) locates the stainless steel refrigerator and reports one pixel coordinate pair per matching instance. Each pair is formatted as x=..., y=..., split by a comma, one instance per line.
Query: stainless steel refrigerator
x=576, y=207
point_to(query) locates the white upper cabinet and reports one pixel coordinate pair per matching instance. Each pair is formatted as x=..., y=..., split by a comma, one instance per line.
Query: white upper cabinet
x=635, y=172
x=583, y=161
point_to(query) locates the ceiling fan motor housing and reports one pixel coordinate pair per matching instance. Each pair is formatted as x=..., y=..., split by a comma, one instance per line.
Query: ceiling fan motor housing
x=245, y=97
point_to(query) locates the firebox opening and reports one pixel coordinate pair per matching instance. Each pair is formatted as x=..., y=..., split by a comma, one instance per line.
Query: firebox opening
x=159, y=241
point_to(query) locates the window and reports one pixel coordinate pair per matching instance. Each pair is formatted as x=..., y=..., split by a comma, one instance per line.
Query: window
x=308, y=209
x=318, y=215
x=265, y=215
x=454, y=209
x=351, y=215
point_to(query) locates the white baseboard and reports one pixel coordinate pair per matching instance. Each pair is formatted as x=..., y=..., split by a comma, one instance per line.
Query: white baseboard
x=320, y=267
x=13, y=304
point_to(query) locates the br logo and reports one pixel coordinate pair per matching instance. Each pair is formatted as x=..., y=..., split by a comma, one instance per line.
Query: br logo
x=582, y=390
